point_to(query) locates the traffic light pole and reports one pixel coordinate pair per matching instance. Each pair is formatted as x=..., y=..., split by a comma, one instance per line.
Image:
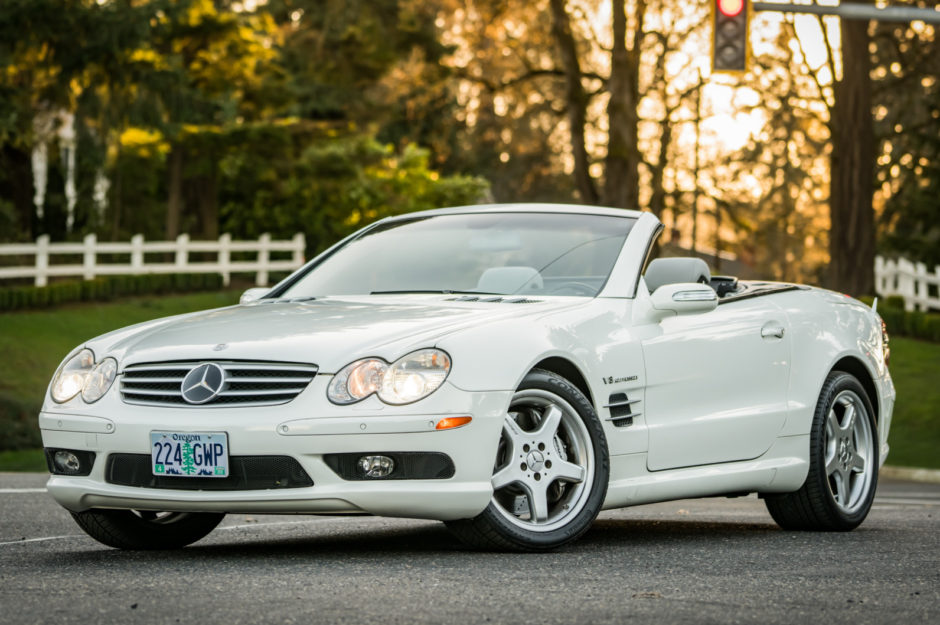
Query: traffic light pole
x=855, y=11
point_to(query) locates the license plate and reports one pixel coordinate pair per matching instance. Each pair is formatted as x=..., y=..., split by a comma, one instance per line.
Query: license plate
x=189, y=454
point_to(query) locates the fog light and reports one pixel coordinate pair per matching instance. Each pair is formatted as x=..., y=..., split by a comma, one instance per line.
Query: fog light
x=67, y=462
x=376, y=466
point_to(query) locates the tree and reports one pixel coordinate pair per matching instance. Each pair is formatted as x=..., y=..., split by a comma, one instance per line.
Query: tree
x=906, y=98
x=852, y=165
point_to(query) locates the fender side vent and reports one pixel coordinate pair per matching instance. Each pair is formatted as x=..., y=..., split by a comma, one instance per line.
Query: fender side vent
x=621, y=409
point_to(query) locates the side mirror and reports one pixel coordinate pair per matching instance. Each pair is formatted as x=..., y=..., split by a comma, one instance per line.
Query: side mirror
x=253, y=295
x=684, y=298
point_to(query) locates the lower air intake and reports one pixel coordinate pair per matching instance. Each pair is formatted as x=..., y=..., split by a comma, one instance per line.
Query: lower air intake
x=245, y=473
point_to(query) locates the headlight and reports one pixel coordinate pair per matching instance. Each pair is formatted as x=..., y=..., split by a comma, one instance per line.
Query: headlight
x=70, y=378
x=356, y=381
x=80, y=374
x=99, y=380
x=407, y=380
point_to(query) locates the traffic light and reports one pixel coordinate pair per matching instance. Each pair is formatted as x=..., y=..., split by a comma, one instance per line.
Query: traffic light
x=730, y=52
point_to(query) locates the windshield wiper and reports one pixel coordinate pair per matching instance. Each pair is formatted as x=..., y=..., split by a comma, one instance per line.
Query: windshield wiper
x=436, y=291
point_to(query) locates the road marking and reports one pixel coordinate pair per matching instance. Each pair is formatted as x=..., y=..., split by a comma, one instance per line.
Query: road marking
x=7, y=491
x=910, y=502
x=36, y=540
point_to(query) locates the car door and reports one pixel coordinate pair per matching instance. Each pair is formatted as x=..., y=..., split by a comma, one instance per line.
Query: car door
x=716, y=384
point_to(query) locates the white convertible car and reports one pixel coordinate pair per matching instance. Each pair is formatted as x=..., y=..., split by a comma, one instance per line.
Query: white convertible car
x=510, y=370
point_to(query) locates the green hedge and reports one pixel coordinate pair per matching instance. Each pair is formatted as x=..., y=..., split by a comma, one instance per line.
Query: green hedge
x=915, y=324
x=20, y=430
x=104, y=289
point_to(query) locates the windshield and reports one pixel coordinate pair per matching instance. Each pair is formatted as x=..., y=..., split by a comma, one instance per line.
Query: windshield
x=492, y=253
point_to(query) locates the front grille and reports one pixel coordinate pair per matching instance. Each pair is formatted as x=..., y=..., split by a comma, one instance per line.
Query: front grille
x=245, y=473
x=246, y=383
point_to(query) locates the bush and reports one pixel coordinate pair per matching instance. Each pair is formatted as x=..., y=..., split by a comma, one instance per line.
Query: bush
x=915, y=324
x=20, y=428
x=104, y=289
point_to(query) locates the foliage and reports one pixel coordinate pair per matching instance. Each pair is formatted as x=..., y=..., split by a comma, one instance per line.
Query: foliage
x=784, y=161
x=907, y=114
x=169, y=97
x=104, y=289
x=333, y=188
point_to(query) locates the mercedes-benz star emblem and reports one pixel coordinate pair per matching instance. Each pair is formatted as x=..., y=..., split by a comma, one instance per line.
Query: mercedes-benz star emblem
x=203, y=383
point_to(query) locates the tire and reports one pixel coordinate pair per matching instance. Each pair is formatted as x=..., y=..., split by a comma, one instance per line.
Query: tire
x=843, y=463
x=142, y=530
x=551, y=472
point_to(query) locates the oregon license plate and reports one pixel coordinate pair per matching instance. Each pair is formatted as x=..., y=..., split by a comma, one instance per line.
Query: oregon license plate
x=189, y=454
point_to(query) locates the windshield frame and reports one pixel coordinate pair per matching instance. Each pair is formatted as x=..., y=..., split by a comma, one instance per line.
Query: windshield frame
x=280, y=289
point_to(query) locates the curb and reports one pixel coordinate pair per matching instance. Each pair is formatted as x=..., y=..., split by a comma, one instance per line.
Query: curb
x=930, y=476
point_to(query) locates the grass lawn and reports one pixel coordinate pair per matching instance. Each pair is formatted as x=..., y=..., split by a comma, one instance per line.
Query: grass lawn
x=34, y=343
x=915, y=431
x=23, y=460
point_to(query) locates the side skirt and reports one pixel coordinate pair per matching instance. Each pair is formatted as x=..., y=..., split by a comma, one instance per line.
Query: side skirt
x=782, y=469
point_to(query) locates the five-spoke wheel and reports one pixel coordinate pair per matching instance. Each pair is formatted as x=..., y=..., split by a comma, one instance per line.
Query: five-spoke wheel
x=849, y=461
x=544, y=461
x=551, y=470
x=843, y=463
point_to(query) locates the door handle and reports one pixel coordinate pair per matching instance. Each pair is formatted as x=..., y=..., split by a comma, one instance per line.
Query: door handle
x=772, y=331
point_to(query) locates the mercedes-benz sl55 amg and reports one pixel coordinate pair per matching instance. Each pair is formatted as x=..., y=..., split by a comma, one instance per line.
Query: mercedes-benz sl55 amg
x=510, y=370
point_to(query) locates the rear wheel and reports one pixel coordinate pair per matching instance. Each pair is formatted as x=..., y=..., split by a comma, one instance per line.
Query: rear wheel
x=843, y=471
x=145, y=530
x=551, y=471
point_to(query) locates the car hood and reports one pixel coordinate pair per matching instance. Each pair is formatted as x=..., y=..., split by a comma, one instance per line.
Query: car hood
x=328, y=332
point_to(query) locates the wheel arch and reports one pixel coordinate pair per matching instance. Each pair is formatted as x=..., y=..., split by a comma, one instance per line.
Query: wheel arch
x=568, y=370
x=857, y=368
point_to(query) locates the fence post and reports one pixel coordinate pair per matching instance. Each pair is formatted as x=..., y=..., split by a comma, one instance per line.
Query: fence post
x=182, y=252
x=300, y=246
x=906, y=283
x=920, y=286
x=42, y=259
x=225, y=258
x=264, y=257
x=936, y=280
x=89, y=256
x=137, y=253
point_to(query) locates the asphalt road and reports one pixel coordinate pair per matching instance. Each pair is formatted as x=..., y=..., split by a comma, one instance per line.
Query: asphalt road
x=693, y=561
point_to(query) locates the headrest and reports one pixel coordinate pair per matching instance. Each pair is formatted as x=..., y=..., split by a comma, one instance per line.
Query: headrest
x=674, y=270
x=509, y=280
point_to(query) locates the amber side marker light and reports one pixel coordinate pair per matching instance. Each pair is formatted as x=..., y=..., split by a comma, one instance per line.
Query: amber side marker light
x=449, y=423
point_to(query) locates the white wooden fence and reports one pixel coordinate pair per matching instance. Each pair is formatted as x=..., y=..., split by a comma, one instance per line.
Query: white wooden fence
x=909, y=280
x=43, y=251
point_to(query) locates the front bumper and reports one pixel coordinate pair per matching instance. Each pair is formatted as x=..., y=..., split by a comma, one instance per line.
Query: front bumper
x=305, y=429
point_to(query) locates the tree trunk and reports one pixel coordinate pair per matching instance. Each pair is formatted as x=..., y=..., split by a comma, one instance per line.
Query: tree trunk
x=18, y=186
x=576, y=100
x=622, y=182
x=174, y=205
x=207, y=194
x=852, y=229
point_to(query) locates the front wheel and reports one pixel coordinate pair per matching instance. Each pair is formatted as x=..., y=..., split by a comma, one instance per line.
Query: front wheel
x=843, y=463
x=551, y=471
x=141, y=529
